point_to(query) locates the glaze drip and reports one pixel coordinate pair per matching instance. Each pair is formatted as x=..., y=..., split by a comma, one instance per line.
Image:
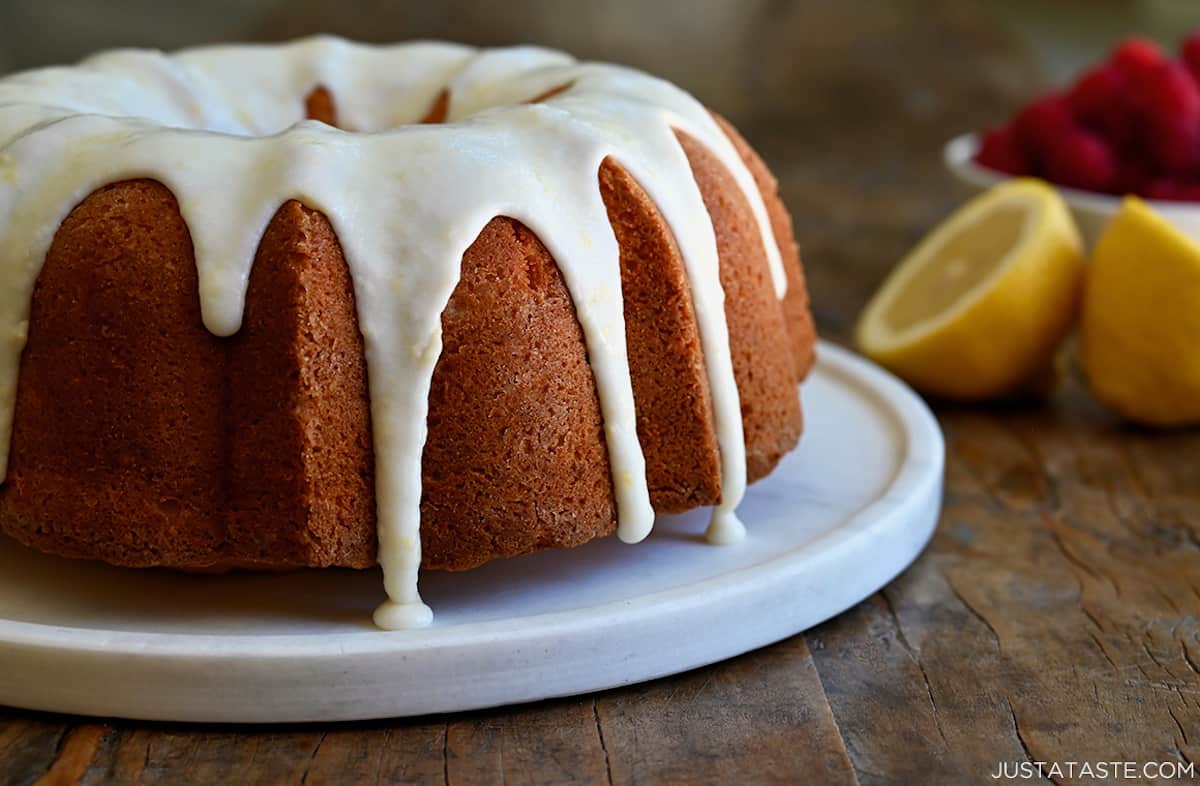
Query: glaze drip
x=222, y=128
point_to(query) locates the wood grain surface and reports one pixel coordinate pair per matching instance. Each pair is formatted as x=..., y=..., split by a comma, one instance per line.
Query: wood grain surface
x=1055, y=616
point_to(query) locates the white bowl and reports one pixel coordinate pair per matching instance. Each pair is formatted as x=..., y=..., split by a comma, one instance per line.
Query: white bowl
x=1091, y=210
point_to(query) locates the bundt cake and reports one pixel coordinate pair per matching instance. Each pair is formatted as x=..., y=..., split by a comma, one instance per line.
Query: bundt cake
x=326, y=304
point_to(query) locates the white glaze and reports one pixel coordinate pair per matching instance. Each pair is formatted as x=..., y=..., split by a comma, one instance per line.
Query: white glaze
x=223, y=129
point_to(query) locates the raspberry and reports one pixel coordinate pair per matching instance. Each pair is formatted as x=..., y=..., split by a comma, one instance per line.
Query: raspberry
x=1173, y=142
x=1169, y=190
x=1040, y=124
x=1082, y=159
x=1000, y=150
x=1162, y=188
x=1129, y=125
x=1190, y=53
x=1104, y=101
x=1188, y=192
x=1169, y=92
x=1136, y=57
x=1121, y=126
x=1096, y=94
x=1134, y=176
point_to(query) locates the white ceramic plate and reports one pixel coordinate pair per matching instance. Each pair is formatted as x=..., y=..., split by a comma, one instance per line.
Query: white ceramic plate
x=838, y=519
x=1092, y=211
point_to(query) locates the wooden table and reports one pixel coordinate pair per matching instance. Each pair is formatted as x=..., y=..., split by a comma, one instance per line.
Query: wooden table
x=1055, y=616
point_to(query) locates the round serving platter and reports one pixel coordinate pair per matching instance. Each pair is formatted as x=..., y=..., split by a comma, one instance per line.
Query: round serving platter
x=838, y=519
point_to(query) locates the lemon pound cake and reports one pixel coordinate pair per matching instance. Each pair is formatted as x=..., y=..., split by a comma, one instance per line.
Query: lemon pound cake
x=326, y=304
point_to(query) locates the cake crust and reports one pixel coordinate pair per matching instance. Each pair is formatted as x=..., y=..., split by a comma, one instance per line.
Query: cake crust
x=141, y=439
x=116, y=446
x=796, y=308
x=763, y=362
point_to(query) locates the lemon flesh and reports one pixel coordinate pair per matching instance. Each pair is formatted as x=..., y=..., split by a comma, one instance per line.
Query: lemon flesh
x=979, y=307
x=1139, y=338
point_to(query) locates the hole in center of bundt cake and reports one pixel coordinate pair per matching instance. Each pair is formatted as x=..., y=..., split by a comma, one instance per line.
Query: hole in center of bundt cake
x=319, y=105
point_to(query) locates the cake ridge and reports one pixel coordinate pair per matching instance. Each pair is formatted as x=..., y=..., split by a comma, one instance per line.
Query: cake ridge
x=537, y=164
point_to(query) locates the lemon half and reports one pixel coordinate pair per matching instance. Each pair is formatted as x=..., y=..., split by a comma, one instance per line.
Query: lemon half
x=978, y=309
x=1139, y=340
